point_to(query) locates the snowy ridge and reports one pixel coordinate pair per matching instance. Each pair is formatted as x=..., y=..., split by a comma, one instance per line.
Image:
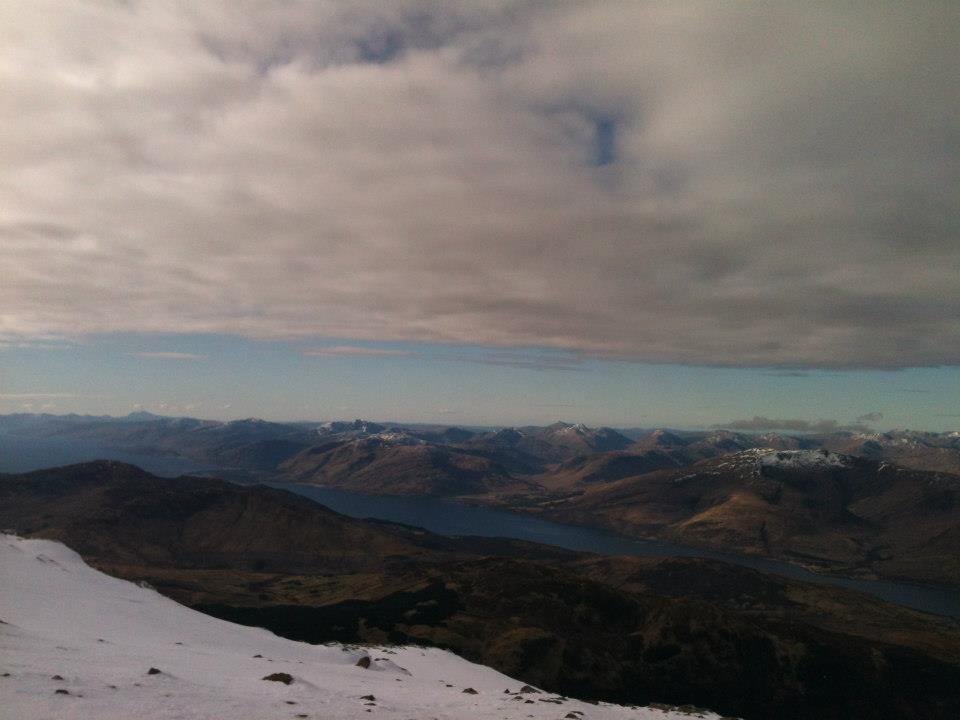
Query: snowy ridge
x=77, y=643
x=802, y=459
x=796, y=459
x=397, y=438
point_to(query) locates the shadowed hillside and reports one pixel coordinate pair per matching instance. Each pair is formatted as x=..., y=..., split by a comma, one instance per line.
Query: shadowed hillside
x=610, y=628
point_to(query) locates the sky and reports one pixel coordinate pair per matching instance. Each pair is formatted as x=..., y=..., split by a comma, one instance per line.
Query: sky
x=631, y=213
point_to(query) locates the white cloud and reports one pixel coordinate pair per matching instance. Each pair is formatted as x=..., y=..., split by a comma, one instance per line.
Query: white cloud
x=780, y=187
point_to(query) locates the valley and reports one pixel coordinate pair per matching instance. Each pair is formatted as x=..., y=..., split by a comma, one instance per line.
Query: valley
x=631, y=630
x=840, y=503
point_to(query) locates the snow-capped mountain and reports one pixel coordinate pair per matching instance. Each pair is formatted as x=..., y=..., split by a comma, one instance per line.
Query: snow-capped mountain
x=77, y=643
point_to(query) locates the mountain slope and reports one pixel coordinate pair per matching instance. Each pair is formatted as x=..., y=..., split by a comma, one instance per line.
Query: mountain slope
x=604, y=468
x=585, y=638
x=249, y=444
x=118, y=513
x=397, y=465
x=539, y=447
x=117, y=651
x=832, y=511
x=939, y=452
x=206, y=542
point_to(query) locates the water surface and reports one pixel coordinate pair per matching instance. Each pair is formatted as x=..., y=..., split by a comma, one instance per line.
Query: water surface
x=448, y=518
x=23, y=454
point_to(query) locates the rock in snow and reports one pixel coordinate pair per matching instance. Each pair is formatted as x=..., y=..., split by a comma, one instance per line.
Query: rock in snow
x=57, y=612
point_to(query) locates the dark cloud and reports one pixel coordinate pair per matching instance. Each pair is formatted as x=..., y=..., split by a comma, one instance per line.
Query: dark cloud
x=705, y=183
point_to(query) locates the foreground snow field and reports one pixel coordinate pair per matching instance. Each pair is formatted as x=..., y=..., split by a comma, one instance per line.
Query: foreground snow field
x=75, y=643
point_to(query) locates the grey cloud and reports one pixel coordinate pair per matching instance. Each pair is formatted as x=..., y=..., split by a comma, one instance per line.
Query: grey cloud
x=704, y=183
x=355, y=351
x=520, y=360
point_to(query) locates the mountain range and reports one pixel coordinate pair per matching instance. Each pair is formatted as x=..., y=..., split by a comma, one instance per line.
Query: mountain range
x=868, y=505
x=837, y=513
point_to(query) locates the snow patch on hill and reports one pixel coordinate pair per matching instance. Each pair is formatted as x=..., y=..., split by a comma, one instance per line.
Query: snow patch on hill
x=77, y=643
x=799, y=459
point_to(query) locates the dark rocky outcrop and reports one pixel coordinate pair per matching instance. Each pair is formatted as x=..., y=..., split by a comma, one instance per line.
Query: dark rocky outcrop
x=280, y=677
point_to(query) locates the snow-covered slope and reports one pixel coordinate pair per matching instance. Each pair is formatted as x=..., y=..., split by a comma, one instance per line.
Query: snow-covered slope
x=75, y=643
x=800, y=459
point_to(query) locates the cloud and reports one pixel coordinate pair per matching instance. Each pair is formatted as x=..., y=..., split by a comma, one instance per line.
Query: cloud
x=761, y=423
x=522, y=360
x=706, y=183
x=355, y=351
x=38, y=396
x=168, y=356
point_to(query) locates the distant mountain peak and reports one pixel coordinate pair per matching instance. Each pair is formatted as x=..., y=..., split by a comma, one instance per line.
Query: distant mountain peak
x=358, y=426
x=666, y=438
x=141, y=415
x=250, y=421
